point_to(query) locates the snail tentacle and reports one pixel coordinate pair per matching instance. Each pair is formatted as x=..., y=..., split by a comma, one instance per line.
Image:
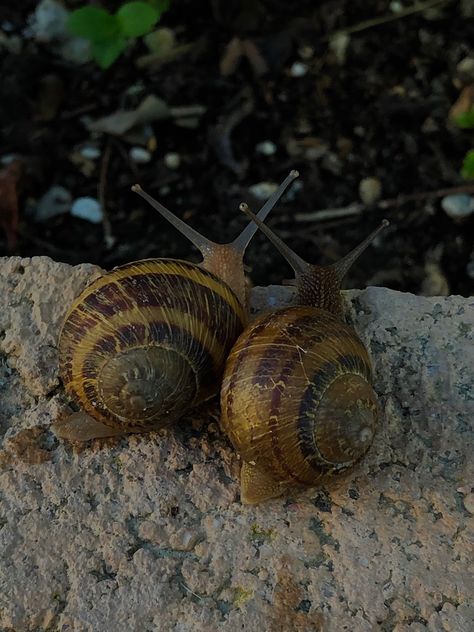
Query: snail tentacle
x=317, y=285
x=224, y=260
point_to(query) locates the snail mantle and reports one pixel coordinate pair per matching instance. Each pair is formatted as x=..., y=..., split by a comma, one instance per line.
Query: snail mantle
x=146, y=532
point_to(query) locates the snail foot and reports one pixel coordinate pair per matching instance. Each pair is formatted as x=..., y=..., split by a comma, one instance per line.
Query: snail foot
x=82, y=427
x=256, y=486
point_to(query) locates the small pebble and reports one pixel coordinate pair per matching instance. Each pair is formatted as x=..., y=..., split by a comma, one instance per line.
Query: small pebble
x=316, y=152
x=56, y=201
x=172, y=160
x=469, y=503
x=458, y=206
x=435, y=282
x=429, y=126
x=184, y=540
x=140, y=155
x=76, y=50
x=90, y=152
x=266, y=147
x=370, y=190
x=298, y=69
x=49, y=21
x=306, y=52
x=149, y=530
x=332, y=163
x=8, y=158
x=465, y=71
x=396, y=6
x=339, y=44
x=7, y=26
x=87, y=208
x=263, y=190
x=467, y=8
x=11, y=44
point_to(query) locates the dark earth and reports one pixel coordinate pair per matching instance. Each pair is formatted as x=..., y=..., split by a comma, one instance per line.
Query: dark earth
x=379, y=111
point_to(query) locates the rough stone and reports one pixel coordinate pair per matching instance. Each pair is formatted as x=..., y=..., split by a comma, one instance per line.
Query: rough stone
x=147, y=533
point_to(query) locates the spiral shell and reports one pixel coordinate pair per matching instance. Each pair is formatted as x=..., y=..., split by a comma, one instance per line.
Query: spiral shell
x=297, y=400
x=147, y=341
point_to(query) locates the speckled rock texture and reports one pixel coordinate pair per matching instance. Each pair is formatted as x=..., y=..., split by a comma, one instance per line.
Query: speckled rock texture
x=146, y=533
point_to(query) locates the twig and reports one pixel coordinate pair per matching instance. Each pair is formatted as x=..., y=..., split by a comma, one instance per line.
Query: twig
x=185, y=111
x=190, y=591
x=356, y=208
x=107, y=226
x=220, y=135
x=330, y=213
x=414, y=197
x=91, y=107
x=368, y=24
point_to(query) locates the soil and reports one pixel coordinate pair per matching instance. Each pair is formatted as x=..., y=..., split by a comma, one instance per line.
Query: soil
x=381, y=111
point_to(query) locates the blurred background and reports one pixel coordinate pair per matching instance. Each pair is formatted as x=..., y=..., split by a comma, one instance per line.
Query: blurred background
x=212, y=103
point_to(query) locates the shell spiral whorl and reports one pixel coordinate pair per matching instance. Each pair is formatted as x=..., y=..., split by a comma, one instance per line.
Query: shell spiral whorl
x=145, y=382
x=297, y=399
x=147, y=341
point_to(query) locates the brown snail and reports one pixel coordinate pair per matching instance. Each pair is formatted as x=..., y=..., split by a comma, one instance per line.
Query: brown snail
x=297, y=400
x=146, y=342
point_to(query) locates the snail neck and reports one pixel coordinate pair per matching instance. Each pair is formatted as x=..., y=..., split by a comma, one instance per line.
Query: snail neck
x=317, y=286
x=320, y=287
x=226, y=262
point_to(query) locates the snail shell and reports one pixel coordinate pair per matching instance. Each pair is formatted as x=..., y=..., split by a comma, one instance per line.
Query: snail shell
x=147, y=341
x=297, y=400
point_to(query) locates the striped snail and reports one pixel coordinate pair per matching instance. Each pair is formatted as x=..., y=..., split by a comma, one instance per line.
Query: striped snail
x=146, y=342
x=297, y=400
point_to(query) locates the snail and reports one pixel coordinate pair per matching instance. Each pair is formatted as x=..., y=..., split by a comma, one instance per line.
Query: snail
x=297, y=400
x=146, y=342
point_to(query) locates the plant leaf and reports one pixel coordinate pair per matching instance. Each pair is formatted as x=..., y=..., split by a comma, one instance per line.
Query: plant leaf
x=160, y=5
x=464, y=103
x=467, y=170
x=137, y=18
x=94, y=24
x=106, y=52
x=465, y=120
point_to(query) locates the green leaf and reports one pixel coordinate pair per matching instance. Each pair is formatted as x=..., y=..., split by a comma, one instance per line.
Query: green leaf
x=137, y=18
x=467, y=170
x=94, y=24
x=106, y=52
x=160, y=5
x=465, y=120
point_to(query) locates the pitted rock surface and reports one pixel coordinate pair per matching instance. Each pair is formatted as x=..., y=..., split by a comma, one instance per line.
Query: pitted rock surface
x=146, y=533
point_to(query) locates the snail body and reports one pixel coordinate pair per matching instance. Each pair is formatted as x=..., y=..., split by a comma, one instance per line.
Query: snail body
x=297, y=400
x=145, y=343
